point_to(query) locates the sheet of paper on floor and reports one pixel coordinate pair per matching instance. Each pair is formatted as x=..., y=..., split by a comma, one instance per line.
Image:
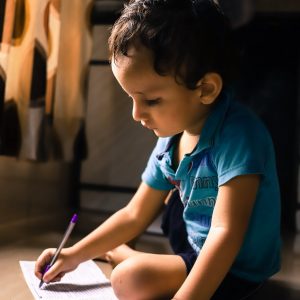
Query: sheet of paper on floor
x=87, y=282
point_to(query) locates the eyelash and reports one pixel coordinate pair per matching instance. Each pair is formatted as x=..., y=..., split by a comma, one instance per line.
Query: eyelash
x=152, y=102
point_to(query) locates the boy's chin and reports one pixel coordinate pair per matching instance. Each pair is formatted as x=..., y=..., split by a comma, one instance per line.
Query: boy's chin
x=158, y=133
x=162, y=134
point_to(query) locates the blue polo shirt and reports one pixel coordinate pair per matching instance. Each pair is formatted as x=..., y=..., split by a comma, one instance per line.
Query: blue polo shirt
x=233, y=142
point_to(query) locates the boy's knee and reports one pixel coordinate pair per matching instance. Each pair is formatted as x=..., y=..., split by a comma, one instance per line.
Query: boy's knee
x=129, y=279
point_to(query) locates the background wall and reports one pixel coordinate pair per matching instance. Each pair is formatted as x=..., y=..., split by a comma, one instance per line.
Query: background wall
x=32, y=196
x=118, y=147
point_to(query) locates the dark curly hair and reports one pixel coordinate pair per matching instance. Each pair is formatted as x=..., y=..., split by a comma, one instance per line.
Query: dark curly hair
x=188, y=38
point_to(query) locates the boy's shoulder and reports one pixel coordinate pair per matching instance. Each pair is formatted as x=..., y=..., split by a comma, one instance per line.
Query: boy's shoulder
x=241, y=125
x=241, y=118
x=231, y=118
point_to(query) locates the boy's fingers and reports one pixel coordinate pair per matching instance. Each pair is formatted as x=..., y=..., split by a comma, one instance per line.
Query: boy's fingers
x=53, y=273
x=42, y=262
x=56, y=272
x=58, y=277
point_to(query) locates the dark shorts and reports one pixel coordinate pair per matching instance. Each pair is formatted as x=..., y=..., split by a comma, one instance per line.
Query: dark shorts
x=174, y=228
x=232, y=287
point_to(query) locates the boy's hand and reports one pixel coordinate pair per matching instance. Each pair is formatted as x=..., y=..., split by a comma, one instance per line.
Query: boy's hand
x=64, y=264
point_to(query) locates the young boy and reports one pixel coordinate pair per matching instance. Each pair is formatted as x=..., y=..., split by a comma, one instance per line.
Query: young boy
x=172, y=59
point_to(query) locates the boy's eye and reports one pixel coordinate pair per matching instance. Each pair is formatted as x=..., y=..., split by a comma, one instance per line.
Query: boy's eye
x=152, y=102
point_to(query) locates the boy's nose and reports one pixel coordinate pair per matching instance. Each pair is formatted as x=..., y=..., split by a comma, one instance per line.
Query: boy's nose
x=138, y=112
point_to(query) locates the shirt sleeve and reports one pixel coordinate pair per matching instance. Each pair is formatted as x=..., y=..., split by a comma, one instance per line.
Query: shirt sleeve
x=241, y=148
x=153, y=175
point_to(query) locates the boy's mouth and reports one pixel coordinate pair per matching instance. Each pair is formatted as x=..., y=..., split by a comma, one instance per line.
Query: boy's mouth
x=147, y=126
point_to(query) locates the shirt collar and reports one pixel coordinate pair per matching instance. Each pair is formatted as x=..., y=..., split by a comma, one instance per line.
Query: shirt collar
x=214, y=121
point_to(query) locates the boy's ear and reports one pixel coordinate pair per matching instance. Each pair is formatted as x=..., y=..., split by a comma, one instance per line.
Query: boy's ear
x=209, y=87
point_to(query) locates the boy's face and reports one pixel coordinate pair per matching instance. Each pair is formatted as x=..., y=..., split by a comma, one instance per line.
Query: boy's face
x=159, y=102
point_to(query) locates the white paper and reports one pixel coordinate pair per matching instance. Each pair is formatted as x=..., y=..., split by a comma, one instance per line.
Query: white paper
x=87, y=282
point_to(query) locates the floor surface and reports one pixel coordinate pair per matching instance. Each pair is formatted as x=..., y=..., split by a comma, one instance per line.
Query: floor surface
x=283, y=286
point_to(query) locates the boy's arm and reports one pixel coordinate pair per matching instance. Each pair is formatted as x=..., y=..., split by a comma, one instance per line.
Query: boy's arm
x=121, y=227
x=124, y=225
x=229, y=223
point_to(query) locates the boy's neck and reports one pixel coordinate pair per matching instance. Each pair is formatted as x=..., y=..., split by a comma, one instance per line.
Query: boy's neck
x=186, y=145
x=188, y=142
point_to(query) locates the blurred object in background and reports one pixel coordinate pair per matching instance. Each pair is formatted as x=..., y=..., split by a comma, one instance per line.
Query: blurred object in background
x=10, y=140
x=239, y=12
x=45, y=48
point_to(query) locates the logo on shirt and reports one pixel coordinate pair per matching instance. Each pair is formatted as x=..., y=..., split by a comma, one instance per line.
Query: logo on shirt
x=205, y=182
x=208, y=202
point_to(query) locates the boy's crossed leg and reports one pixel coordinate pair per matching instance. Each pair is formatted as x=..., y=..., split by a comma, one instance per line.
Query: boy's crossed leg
x=139, y=275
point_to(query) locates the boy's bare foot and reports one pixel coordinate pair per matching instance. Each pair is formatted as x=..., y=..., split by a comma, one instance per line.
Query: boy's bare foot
x=119, y=254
